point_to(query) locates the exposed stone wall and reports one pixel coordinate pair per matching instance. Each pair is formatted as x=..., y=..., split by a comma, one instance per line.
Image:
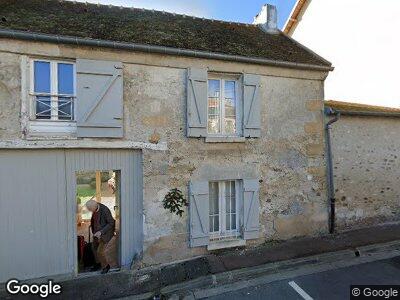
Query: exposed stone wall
x=287, y=158
x=10, y=93
x=366, y=170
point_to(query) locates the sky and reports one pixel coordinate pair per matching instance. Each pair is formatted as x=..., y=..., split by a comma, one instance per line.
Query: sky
x=228, y=10
x=363, y=46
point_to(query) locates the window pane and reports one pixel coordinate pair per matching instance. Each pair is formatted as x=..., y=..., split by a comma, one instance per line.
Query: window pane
x=65, y=79
x=41, y=77
x=228, y=222
x=65, y=86
x=43, y=107
x=230, y=197
x=65, y=108
x=230, y=107
x=233, y=216
x=214, y=224
x=230, y=204
x=214, y=206
x=214, y=94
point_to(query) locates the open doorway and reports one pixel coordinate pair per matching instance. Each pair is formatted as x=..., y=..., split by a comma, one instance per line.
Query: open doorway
x=98, y=220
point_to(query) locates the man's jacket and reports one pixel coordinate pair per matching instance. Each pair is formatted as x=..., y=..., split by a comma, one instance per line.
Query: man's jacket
x=107, y=223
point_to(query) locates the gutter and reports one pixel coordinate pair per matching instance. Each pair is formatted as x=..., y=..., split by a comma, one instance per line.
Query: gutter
x=40, y=37
x=368, y=113
x=329, y=165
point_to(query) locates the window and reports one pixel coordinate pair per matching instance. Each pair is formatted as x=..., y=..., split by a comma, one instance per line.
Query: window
x=222, y=106
x=53, y=90
x=223, y=208
x=223, y=213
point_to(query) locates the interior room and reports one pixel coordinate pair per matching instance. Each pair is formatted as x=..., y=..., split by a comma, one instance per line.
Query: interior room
x=102, y=190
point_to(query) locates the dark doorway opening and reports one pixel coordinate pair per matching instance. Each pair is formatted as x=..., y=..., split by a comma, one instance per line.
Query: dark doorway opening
x=98, y=220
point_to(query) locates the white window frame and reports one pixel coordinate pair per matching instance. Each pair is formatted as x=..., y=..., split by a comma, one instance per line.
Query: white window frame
x=53, y=89
x=222, y=78
x=222, y=233
x=42, y=128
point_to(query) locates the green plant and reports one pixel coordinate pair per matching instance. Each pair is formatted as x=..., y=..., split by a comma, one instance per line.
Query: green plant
x=85, y=190
x=83, y=180
x=175, y=202
x=105, y=176
x=93, y=184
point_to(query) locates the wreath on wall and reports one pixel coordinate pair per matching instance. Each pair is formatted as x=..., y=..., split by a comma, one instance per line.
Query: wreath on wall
x=174, y=201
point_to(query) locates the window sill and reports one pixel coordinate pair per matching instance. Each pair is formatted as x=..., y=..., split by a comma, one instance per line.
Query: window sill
x=225, y=139
x=215, y=245
x=38, y=128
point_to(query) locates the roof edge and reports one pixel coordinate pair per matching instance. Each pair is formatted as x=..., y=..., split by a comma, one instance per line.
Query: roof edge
x=358, y=109
x=293, y=19
x=367, y=113
x=41, y=37
x=307, y=49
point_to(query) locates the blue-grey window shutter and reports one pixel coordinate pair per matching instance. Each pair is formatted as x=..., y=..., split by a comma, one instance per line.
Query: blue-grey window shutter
x=196, y=102
x=199, y=213
x=251, y=105
x=251, y=209
x=99, y=105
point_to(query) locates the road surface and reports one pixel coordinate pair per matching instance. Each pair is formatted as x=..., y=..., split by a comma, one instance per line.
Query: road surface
x=333, y=284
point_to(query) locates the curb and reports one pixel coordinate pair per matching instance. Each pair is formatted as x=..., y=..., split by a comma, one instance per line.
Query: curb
x=217, y=284
x=227, y=267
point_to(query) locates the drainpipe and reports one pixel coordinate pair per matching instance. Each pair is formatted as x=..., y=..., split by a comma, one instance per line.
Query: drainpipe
x=331, y=187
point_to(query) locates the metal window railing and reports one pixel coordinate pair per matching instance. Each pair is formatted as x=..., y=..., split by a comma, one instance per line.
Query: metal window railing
x=54, y=107
x=228, y=235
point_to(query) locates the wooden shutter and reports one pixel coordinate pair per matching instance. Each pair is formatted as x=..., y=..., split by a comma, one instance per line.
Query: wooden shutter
x=251, y=106
x=99, y=106
x=251, y=209
x=197, y=103
x=199, y=214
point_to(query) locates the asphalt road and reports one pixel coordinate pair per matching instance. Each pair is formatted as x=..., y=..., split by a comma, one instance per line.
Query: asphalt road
x=333, y=284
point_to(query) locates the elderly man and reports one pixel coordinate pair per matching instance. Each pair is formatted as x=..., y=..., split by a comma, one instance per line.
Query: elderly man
x=103, y=225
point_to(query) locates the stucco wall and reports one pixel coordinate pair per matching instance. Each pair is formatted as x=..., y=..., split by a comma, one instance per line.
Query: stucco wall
x=371, y=47
x=366, y=170
x=287, y=158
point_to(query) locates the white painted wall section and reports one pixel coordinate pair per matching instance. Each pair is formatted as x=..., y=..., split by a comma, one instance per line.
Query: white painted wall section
x=360, y=38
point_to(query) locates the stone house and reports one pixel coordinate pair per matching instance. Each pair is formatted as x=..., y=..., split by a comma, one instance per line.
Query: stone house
x=230, y=114
x=307, y=23
x=365, y=156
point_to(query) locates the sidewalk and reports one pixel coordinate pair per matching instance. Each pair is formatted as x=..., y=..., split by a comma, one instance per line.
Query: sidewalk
x=153, y=279
x=303, y=247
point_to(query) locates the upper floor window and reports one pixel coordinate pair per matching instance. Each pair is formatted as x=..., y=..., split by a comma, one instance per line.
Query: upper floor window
x=222, y=107
x=72, y=99
x=53, y=90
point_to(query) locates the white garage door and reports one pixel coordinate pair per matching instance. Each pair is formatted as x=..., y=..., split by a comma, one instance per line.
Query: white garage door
x=33, y=207
x=38, y=208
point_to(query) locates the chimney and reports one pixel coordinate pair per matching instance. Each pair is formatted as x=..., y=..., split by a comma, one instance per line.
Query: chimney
x=267, y=18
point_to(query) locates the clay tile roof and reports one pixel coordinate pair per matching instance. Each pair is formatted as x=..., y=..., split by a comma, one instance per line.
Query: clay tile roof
x=357, y=107
x=141, y=26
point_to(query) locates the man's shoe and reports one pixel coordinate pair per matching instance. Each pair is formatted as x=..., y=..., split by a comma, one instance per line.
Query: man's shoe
x=95, y=267
x=105, y=270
